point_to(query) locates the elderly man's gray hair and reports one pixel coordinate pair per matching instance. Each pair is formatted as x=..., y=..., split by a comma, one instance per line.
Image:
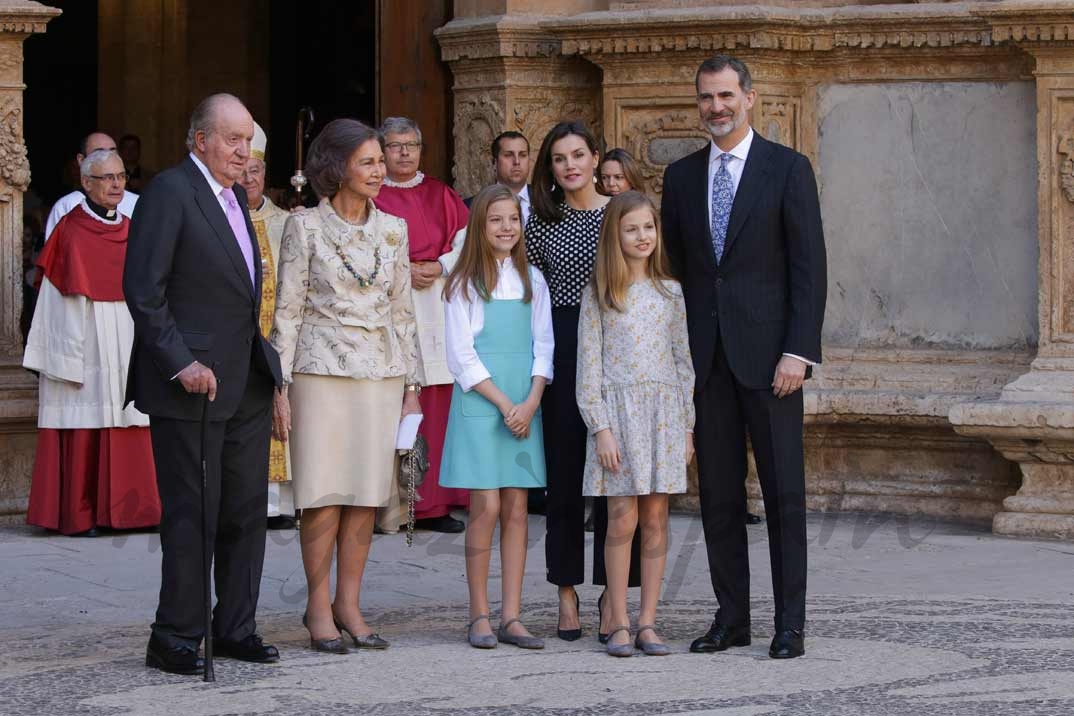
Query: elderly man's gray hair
x=203, y=118
x=96, y=158
x=399, y=125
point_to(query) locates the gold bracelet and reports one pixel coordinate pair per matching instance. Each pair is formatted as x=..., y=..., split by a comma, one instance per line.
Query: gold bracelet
x=414, y=388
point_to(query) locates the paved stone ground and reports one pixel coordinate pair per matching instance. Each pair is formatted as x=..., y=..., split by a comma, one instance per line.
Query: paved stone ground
x=906, y=616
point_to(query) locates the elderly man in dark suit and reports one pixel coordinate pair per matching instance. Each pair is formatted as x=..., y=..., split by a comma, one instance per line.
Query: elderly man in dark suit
x=192, y=281
x=742, y=225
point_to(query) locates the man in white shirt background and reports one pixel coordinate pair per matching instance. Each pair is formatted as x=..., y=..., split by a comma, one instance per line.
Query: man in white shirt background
x=511, y=167
x=90, y=143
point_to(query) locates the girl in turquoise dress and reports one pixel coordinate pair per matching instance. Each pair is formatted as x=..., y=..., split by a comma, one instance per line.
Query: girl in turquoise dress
x=498, y=321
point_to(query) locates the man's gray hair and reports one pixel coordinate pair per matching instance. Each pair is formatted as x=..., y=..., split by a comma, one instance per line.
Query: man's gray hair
x=95, y=159
x=399, y=125
x=203, y=118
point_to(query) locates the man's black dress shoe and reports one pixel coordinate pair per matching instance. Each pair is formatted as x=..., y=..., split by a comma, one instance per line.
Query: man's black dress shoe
x=174, y=660
x=787, y=644
x=91, y=532
x=752, y=519
x=281, y=522
x=447, y=523
x=248, y=649
x=721, y=638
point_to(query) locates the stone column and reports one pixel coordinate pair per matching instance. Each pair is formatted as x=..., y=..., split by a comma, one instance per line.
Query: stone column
x=18, y=388
x=1032, y=422
x=509, y=74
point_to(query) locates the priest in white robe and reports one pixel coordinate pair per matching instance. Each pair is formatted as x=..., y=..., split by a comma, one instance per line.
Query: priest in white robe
x=94, y=462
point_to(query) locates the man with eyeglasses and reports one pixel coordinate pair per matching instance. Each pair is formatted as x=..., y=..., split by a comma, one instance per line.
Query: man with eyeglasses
x=94, y=464
x=89, y=144
x=436, y=224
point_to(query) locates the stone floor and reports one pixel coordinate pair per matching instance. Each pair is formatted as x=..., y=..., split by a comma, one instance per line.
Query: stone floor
x=906, y=616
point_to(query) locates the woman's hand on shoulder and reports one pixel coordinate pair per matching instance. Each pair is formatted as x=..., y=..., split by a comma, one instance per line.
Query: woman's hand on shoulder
x=608, y=451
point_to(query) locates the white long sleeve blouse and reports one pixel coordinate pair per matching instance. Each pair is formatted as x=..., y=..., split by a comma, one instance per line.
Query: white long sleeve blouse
x=465, y=319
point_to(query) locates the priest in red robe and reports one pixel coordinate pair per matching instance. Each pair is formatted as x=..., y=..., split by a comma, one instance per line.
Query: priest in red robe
x=94, y=464
x=436, y=224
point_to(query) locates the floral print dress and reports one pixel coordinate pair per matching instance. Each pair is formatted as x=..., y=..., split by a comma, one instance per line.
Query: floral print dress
x=636, y=378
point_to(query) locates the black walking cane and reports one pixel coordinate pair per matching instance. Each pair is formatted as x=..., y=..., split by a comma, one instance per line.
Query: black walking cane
x=206, y=546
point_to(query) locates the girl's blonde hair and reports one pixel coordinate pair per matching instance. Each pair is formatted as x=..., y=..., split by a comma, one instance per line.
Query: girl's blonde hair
x=476, y=266
x=611, y=276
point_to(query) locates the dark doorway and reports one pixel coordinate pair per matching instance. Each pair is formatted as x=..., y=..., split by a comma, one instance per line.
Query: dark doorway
x=60, y=72
x=322, y=54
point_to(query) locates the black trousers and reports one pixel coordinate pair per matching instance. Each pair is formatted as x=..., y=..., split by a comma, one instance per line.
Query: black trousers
x=725, y=411
x=565, y=448
x=237, y=455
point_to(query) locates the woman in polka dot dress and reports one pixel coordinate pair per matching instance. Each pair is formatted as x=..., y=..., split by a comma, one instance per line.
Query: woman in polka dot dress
x=561, y=240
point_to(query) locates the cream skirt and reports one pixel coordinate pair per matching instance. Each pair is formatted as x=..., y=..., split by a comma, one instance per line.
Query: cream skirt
x=343, y=439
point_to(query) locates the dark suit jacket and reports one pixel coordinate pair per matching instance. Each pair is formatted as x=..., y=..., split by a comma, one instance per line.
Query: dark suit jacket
x=766, y=297
x=189, y=293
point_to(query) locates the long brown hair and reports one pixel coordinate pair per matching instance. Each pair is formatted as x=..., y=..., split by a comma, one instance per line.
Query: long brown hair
x=476, y=266
x=631, y=172
x=611, y=276
x=545, y=194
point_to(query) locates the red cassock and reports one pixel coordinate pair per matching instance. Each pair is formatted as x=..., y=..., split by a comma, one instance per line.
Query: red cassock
x=434, y=213
x=94, y=463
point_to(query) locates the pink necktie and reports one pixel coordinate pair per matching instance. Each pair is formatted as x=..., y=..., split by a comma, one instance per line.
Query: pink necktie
x=238, y=227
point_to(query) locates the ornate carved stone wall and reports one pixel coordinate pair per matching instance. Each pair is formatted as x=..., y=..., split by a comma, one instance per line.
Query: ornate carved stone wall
x=948, y=325
x=18, y=388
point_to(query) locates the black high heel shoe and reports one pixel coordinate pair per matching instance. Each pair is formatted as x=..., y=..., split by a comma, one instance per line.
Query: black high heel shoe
x=572, y=634
x=602, y=637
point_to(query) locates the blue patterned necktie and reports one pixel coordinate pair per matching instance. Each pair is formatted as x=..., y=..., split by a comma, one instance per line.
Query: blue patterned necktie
x=723, y=196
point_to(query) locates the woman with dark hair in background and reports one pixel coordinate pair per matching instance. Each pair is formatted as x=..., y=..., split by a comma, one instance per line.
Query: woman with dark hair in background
x=561, y=240
x=345, y=331
x=618, y=173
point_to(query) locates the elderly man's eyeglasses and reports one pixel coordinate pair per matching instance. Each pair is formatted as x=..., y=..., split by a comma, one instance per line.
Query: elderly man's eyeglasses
x=398, y=146
x=110, y=178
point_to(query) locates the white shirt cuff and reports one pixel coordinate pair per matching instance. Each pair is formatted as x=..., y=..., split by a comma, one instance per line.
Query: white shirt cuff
x=472, y=376
x=804, y=360
x=543, y=368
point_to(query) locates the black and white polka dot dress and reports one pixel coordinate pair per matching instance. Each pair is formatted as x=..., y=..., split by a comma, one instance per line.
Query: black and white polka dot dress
x=565, y=251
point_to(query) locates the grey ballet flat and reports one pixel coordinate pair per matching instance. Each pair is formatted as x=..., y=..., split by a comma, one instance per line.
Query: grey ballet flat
x=650, y=648
x=619, y=649
x=480, y=641
x=522, y=642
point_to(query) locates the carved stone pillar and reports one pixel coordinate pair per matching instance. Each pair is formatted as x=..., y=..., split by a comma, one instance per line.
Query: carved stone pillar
x=510, y=75
x=1032, y=421
x=18, y=388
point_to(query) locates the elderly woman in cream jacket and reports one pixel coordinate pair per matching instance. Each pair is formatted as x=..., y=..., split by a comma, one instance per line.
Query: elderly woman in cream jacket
x=345, y=331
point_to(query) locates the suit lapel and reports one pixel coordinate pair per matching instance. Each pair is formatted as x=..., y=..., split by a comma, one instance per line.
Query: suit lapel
x=749, y=187
x=697, y=203
x=214, y=214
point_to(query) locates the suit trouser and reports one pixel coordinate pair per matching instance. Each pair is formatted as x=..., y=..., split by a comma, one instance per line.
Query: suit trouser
x=236, y=456
x=725, y=410
x=565, y=436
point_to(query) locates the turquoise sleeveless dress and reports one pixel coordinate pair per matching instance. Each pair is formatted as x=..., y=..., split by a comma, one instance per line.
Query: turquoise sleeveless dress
x=480, y=453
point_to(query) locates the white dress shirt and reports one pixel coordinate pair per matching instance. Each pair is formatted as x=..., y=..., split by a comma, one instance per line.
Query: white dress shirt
x=214, y=185
x=735, y=165
x=524, y=202
x=69, y=201
x=464, y=320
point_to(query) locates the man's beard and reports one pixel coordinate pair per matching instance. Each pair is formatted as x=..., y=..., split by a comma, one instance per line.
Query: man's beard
x=723, y=128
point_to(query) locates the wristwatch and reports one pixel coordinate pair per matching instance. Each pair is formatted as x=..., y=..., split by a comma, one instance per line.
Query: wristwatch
x=414, y=388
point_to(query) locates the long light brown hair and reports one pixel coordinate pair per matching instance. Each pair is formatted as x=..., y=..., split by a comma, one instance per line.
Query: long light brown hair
x=611, y=276
x=476, y=266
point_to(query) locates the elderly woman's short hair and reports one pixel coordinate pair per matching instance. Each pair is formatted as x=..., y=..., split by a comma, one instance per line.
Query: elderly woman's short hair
x=331, y=151
x=203, y=118
x=399, y=125
x=96, y=158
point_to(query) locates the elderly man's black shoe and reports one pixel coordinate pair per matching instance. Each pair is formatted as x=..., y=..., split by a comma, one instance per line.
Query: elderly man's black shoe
x=720, y=637
x=787, y=644
x=174, y=660
x=248, y=649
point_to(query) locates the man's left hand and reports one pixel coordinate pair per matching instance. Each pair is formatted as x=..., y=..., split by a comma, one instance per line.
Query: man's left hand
x=790, y=372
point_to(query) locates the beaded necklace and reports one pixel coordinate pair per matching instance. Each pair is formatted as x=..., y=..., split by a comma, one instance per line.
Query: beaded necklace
x=363, y=281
